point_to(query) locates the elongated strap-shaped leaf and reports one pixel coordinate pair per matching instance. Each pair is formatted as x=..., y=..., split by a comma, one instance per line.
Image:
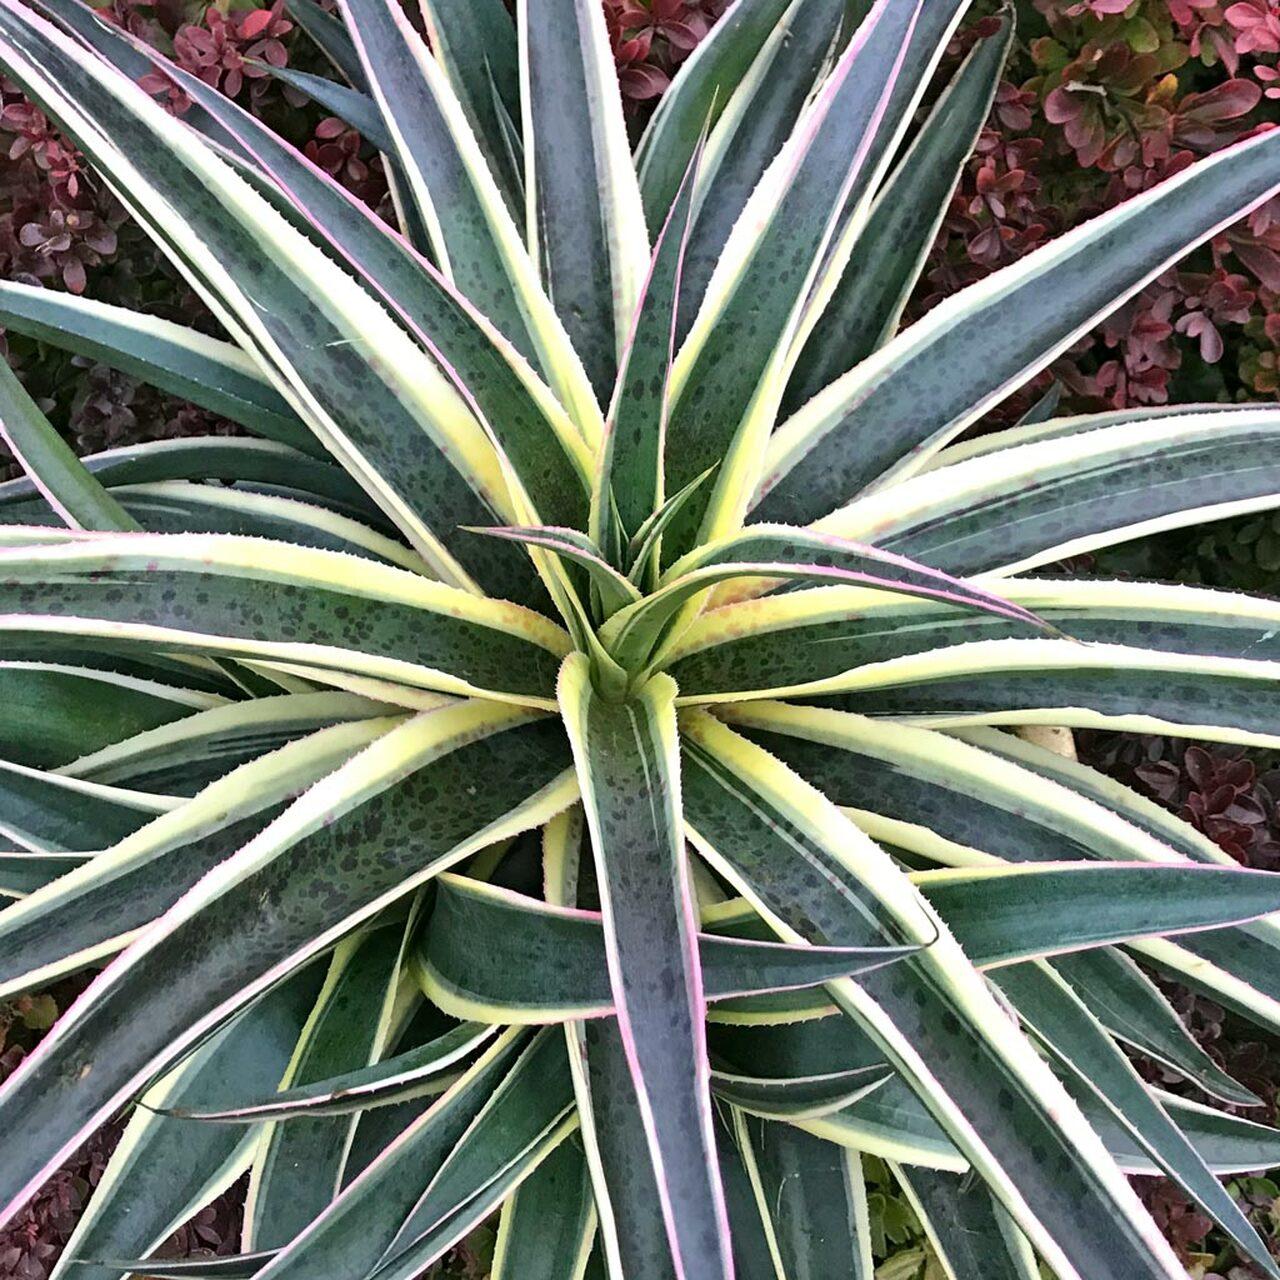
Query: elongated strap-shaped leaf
x=1004, y=913
x=386, y=1191
x=544, y=963
x=699, y=93
x=47, y=813
x=1033, y=430
x=928, y=40
x=359, y=381
x=629, y=482
x=414, y=1073
x=505, y=1103
x=813, y=1199
x=75, y=496
x=753, y=1257
x=629, y=771
x=892, y=1123
x=180, y=507
x=754, y=125
x=420, y=799
x=586, y=225
x=331, y=36
x=355, y=108
x=892, y=411
x=1233, y=965
x=890, y=251
x=632, y=1227
x=728, y=377
x=1142, y=812
x=1035, y=504
x=503, y=1182
x=298, y=1166
x=530, y=1105
x=163, y=1170
x=1220, y=962
x=966, y=794
x=1132, y=1008
x=576, y=548
x=23, y=872
x=548, y=1226
x=96, y=909
x=971, y=1234
x=759, y=641
x=51, y=712
x=633, y=1233
x=798, y=1098
x=217, y=740
x=534, y=431
x=1009, y=681
x=763, y=544
x=181, y=361
x=237, y=1267
x=476, y=43
x=785, y=555
x=1021, y=817
x=1034, y=681
x=1063, y=1022
x=1110, y=902
x=248, y=597
x=299, y=677
x=250, y=463
x=473, y=235
x=644, y=546
x=988, y=1089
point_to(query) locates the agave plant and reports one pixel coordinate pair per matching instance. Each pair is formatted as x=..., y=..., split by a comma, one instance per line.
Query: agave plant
x=558, y=763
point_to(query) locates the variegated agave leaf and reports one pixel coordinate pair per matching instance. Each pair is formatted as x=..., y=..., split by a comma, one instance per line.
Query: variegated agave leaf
x=561, y=768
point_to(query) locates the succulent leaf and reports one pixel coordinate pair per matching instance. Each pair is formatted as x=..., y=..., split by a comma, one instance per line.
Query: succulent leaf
x=665, y=849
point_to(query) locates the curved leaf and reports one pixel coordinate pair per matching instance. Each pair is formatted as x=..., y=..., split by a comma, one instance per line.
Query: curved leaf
x=476, y=43
x=789, y=555
x=76, y=498
x=390, y=819
x=885, y=417
x=96, y=909
x=548, y=1225
x=413, y=1073
x=1062, y=1021
x=1034, y=504
x=814, y=1200
x=700, y=91
x=248, y=597
x=298, y=1167
x=547, y=964
x=51, y=712
x=353, y=374
x=988, y=1088
x=161, y=1171
x=629, y=478
x=472, y=233
x=867, y=304
x=729, y=374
